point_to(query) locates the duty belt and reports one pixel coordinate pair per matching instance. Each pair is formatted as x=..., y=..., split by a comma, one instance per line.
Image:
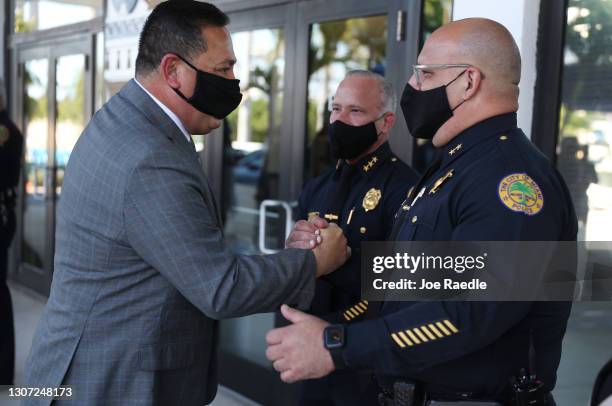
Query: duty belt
x=410, y=394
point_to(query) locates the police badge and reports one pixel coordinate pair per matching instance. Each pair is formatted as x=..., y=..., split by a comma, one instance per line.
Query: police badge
x=370, y=200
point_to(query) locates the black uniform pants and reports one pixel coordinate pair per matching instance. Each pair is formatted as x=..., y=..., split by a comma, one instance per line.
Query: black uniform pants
x=7, y=332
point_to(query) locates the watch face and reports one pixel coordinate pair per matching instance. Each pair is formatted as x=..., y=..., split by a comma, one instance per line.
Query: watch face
x=334, y=337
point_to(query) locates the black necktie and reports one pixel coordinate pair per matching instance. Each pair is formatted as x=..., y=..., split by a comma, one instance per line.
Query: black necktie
x=341, y=189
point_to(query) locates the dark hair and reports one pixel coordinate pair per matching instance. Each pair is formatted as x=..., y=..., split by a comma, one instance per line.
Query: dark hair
x=176, y=26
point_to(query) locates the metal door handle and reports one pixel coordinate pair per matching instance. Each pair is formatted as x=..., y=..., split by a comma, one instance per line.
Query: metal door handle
x=262, y=222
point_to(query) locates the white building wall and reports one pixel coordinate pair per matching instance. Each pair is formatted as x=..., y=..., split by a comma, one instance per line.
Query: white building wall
x=521, y=19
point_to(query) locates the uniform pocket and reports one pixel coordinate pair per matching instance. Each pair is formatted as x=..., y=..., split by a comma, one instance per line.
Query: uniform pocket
x=428, y=216
x=421, y=223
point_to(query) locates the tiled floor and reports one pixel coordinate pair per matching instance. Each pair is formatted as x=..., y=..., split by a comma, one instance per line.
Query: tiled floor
x=586, y=348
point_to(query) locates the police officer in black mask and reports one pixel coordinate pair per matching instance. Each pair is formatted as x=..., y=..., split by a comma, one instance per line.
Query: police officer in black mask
x=11, y=144
x=361, y=194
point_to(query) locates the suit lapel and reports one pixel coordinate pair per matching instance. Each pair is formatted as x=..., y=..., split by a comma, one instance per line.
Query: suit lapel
x=160, y=120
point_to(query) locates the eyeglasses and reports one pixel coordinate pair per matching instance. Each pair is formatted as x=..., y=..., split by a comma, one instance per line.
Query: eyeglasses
x=417, y=69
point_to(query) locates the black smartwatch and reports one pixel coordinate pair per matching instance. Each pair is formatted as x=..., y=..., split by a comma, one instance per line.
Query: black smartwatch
x=334, y=339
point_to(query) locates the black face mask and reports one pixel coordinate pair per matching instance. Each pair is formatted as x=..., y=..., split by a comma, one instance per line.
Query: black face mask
x=213, y=95
x=348, y=141
x=425, y=111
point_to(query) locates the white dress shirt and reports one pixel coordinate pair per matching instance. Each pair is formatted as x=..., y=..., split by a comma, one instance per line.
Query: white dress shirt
x=169, y=112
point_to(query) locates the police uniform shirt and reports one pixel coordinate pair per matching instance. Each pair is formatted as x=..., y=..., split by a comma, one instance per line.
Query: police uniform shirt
x=471, y=349
x=379, y=183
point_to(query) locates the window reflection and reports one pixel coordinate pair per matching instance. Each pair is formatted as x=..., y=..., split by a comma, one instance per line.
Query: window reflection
x=70, y=110
x=337, y=47
x=251, y=165
x=584, y=158
x=252, y=136
x=585, y=127
x=34, y=15
x=36, y=122
x=435, y=14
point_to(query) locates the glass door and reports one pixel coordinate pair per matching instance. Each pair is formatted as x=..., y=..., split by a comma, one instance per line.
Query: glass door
x=55, y=103
x=251, y=151
x=336, y=47
x=35, y=250
x=252, y=169
x=290, y=60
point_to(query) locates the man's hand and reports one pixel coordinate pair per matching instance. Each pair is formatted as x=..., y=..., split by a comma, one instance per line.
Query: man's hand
x=306, y=234
x=333, y=250
x=297, y=351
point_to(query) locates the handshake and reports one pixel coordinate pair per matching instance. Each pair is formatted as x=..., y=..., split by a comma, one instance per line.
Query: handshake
x=326, y=240
x=296, y=351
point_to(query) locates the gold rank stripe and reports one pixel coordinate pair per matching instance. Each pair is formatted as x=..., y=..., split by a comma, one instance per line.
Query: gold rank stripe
x=398, y=341
x=414, y=338
x=405, y=339
x=435, y=330
x=356, y=310
x=444, y=329
x=428, y=333
x=421, y=336
x=451, y=326
x=424, y=333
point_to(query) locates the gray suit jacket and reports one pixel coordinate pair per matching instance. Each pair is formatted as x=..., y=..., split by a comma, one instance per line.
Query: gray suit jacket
x=141, y=269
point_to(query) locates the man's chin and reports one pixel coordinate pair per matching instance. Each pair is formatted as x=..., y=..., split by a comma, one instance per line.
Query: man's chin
x=215, y=123
x=208, y=125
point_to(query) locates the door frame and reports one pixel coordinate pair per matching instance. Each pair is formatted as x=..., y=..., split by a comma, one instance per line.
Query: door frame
x=39, y=279
x=547, y=94
x=237, y=372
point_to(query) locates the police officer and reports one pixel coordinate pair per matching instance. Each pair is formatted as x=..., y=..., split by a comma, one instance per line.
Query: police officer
x=11, y=143
x=464, y=96
x=360, y=194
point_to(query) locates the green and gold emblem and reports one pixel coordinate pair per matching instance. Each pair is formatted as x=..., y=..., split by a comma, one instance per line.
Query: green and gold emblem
x=370, y=200
x=520, y=193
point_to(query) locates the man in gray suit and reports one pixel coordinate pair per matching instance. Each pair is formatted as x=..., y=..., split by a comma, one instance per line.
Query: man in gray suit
x=141, y=269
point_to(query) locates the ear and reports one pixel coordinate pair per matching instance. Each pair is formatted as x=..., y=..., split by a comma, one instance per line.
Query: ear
x=474, y=78
x=387, y=122
x=169, y=68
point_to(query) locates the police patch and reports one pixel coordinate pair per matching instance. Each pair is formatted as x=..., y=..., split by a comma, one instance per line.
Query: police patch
x=4, y=135
x=520, y=193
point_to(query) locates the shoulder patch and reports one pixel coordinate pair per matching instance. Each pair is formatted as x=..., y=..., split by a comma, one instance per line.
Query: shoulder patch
x=520, y=193
x=4, y=135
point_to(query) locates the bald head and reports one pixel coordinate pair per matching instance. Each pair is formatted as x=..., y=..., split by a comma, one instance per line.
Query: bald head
x=485, y=44
x=486, y=87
